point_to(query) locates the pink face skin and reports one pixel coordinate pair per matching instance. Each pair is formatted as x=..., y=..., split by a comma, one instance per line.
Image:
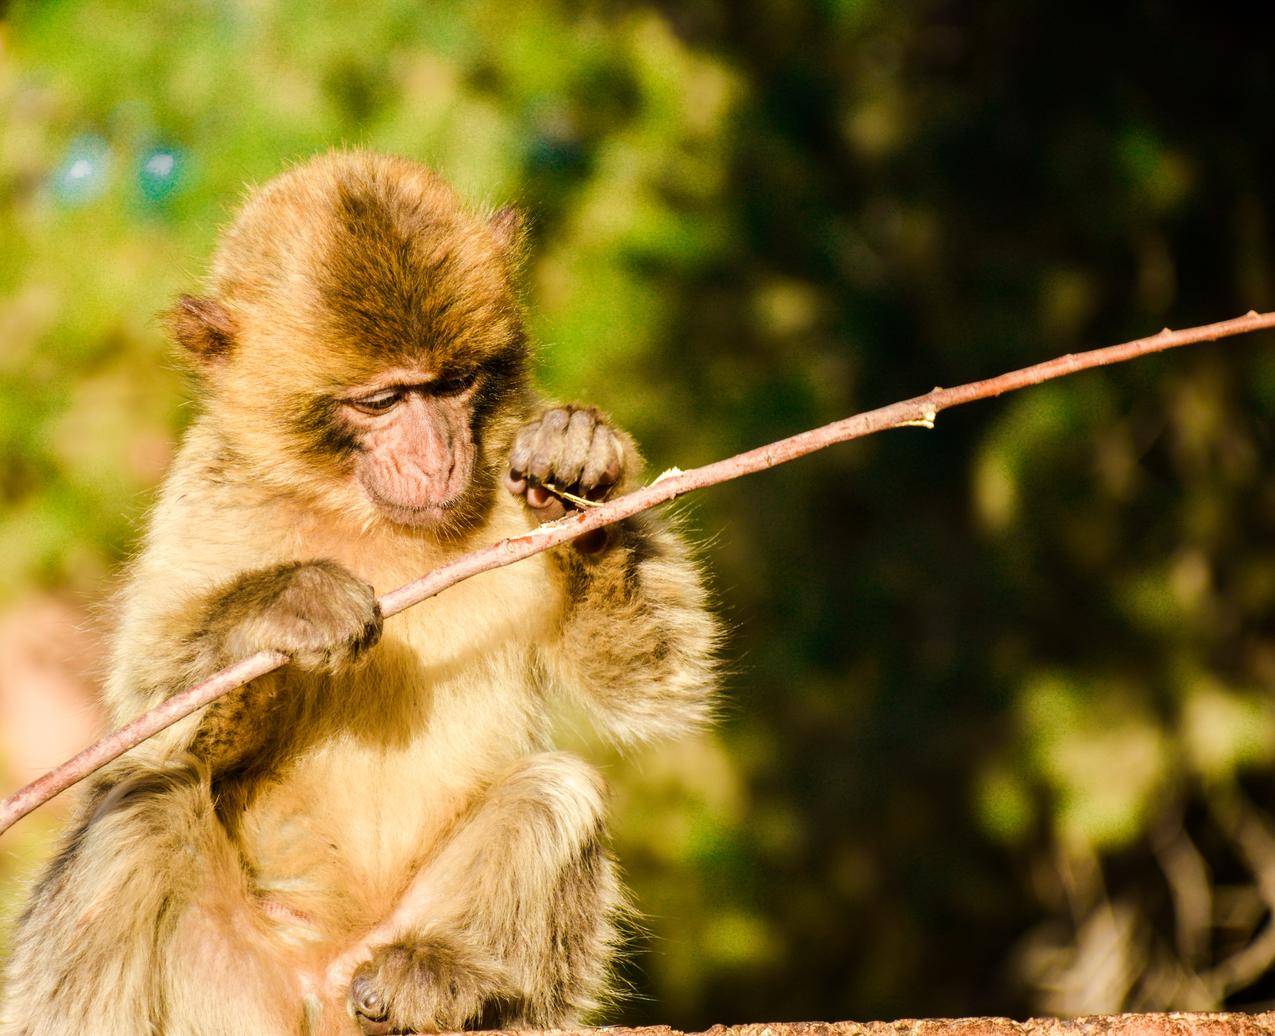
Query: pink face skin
x=417, y=450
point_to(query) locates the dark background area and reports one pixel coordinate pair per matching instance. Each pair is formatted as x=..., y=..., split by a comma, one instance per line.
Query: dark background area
x=1000, y=735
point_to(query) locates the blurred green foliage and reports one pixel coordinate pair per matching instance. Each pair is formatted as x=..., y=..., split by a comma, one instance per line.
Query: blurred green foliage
x=987, y=683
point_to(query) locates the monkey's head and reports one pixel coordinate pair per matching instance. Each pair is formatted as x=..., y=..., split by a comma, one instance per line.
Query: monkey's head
x=362, y=342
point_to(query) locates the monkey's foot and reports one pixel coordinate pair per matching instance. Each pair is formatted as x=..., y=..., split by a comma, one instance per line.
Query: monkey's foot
x=429, y=985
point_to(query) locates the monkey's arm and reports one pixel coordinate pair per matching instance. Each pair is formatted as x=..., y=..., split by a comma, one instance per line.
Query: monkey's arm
x=147, y=886
x=636, y=640
x=317, y=612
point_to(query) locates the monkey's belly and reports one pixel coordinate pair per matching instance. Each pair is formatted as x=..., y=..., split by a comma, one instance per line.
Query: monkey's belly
x=332, y=844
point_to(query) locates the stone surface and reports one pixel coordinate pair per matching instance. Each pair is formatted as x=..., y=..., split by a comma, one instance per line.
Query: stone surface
x=1175, y=1024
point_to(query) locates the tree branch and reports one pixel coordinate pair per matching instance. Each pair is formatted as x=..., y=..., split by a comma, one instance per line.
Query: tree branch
x=922, y=411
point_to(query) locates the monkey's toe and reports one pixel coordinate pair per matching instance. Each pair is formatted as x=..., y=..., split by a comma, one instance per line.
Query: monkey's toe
x=368, y=1003
x=429, y=985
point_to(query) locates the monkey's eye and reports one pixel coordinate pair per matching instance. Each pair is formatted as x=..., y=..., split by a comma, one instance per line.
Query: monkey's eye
x=377, y=402
x=453, y=385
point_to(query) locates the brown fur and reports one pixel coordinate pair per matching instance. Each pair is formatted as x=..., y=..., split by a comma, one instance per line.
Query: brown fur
x=378, y=825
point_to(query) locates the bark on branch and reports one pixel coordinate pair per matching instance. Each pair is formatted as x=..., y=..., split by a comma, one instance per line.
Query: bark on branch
x=919, y=411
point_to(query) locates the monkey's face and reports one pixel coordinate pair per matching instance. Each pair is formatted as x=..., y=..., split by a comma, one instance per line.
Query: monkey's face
x=419, y=440
x=364, y=347
x=415, y=438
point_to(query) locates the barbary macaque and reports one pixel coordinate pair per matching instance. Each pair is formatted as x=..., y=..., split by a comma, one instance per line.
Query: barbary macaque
x=379, y=836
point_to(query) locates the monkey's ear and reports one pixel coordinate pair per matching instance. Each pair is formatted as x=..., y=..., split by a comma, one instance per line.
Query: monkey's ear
x=510, y=228
x=203, y=327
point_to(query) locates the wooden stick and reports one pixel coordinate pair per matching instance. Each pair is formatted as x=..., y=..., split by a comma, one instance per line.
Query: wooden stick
x=920, y=411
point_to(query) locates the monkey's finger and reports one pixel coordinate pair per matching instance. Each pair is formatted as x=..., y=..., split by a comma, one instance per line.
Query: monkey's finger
x=614, y=471
x=547, y=506
x=575, y=447
x=524, y=441
x=371, y=633
x=546, y=454
x=514, y=482
x=605, y=462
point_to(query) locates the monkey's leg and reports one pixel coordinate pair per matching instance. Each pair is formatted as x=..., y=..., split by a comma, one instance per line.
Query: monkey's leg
x=141, y=924
x=144, y=922
x=511, y=923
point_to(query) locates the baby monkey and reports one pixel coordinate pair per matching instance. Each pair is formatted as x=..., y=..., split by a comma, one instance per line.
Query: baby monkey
x=377, y=837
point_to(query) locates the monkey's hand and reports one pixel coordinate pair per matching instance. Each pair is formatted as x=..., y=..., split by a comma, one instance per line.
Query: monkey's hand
x=316, y=612
x=428, y=986
x=573, y=450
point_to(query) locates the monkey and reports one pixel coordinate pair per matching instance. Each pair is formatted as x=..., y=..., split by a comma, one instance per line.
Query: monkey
x=379, y=836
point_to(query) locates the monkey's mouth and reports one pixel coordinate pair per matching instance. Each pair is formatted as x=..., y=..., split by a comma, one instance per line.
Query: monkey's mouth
x=416, y=515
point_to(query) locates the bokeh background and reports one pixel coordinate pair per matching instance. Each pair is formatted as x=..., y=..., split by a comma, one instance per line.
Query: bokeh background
x=1001, y=722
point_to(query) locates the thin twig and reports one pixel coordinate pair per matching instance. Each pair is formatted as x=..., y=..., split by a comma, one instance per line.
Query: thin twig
x=922, y=410
x=1250, y=832
x=1187, y=874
